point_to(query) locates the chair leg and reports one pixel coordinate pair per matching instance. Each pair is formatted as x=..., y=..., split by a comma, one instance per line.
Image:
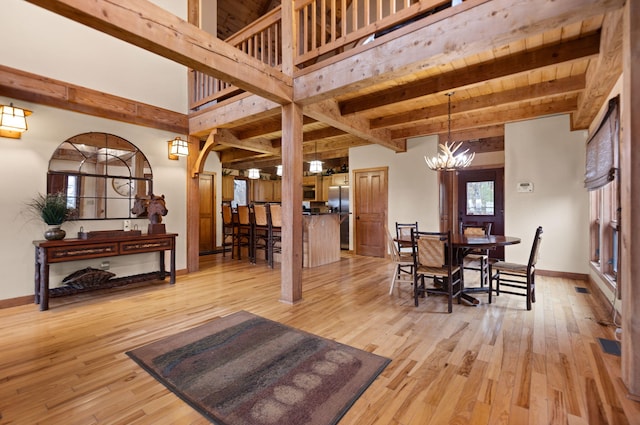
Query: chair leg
x=533, y=287
x=396, y=271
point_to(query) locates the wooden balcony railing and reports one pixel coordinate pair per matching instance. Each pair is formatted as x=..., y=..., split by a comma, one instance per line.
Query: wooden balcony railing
x=324, y=28
x=262, y=40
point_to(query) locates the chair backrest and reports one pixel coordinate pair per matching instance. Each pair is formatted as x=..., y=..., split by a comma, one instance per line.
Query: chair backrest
x=274, y=214
x=393, y=248
x=403, y=230
x=430, y=249
x=471, y=229
x=535, y=248
x=260, y=214
x=227, y=214
x=243, y=215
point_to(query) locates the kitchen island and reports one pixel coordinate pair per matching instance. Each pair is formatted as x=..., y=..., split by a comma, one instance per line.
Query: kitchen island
x=321, y=238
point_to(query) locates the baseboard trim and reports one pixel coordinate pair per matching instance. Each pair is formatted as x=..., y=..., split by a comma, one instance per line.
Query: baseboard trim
x=566, y=275
x=15, y=302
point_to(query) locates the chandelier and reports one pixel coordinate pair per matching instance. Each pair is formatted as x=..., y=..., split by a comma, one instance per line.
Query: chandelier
x=447, y=159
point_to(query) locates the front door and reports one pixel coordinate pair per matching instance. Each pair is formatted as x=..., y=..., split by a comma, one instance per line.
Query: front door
x=370, y=211
x=481, y=200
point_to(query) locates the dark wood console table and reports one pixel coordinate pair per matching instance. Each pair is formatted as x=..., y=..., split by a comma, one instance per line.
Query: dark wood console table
x=50, y=252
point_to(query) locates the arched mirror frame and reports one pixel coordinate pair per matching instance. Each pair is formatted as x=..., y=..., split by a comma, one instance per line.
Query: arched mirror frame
x=100, y=174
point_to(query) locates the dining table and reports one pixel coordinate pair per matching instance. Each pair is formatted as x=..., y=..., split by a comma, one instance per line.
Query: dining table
x=463, y=244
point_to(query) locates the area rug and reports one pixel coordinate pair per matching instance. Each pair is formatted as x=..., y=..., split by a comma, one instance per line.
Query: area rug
x=244, y=369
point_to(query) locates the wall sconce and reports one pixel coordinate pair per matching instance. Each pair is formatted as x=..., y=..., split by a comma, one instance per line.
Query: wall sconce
x=279, y=170
x=178, y=148
x=13, y=121
x=254, y=173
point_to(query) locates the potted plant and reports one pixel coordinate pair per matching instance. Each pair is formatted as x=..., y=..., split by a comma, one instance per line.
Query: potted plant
x=53, y=210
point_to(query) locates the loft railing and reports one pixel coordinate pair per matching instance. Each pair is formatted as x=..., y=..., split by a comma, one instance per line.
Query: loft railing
x=262, y=40
x=324, y=28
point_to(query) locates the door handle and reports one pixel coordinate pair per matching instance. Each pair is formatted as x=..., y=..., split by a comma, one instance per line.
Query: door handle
x=357, y=217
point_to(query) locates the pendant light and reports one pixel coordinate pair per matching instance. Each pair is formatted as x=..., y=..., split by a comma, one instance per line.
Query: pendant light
x=447, y=159
x=315, y=166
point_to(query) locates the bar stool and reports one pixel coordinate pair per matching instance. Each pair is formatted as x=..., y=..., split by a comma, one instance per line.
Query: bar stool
x=228, y=230
x=260, y=231
x=274, y=218
x=244, y=233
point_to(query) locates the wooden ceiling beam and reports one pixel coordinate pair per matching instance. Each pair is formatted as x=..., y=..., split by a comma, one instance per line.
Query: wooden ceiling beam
x=421, y=46
x=230, y=156
x=602, y=74
x=512, y=65
x=496, y=116
x=488, y=132
x=329, y=113
x=337, y=153
x=58, y=94
x=146, y=25
x=227, y=138
x=263, y=128
x=240, y=110
x=566, y=85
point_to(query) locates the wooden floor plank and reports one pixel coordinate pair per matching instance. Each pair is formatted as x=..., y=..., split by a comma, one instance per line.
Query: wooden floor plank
x=480, y=365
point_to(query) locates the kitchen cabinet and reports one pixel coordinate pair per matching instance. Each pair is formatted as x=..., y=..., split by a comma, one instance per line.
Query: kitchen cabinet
x=312, y=188
x=340, y=179
x=266, y=190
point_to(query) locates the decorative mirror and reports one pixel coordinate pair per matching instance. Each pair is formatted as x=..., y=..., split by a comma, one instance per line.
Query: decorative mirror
x=100, y=174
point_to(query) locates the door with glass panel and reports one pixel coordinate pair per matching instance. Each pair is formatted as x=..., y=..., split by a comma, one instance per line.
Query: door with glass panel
x=481, y=200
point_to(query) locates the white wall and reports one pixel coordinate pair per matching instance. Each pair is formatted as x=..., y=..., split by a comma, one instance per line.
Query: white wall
x=43, y=43
x=546, y=153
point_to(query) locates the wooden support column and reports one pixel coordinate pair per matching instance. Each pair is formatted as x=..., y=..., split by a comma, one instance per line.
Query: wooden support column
x=193, y=207
x=630, y=200
x=291, y=259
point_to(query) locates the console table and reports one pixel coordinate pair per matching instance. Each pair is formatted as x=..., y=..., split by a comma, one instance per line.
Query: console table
x=50, y=252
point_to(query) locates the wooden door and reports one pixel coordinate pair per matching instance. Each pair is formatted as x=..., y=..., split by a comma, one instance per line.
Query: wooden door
x=481, y=200
x=370, y=211
x=207, y=240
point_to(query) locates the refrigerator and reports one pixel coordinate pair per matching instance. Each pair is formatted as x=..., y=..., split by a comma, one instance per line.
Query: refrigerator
x=339, y=203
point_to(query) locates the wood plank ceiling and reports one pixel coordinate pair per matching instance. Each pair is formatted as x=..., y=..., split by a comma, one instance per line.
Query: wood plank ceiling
x=564, y=59
x=565, y=70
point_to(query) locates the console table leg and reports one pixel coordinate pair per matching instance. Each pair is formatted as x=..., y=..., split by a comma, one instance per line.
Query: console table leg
x=36, y=278
x=163, y=272
x=172, y=278
x=44, y=286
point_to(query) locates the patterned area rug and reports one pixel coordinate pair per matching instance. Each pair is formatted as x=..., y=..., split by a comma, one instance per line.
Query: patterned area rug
x=244, y=369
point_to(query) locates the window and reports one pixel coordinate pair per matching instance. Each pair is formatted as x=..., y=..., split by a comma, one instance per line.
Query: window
x=602, y=179
x=480, y=198
x=605, y=230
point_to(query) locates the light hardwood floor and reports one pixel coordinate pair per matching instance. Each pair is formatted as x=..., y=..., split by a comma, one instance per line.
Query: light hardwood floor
x=489, y=364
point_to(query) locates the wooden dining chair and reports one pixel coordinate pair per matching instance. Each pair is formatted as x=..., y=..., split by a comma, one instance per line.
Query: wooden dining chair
x=520, y=278
x=433, y=258
x=403, y=235
x=403, y=263
x=477, y=259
